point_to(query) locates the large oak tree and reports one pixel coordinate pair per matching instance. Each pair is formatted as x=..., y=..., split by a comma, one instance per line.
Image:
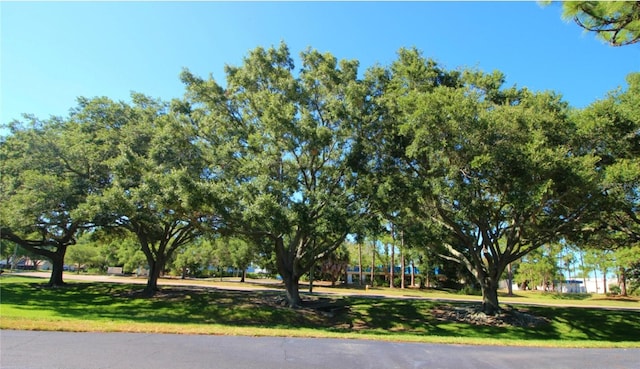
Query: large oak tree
x=156, y=184
x=49, y=170
x=491, y=169
x=281, y=142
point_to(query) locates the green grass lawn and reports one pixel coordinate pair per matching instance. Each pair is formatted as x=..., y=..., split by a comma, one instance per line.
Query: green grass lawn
x=99, y=306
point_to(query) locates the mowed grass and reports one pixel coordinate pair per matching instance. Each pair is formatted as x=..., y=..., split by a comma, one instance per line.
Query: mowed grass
x=109, y=307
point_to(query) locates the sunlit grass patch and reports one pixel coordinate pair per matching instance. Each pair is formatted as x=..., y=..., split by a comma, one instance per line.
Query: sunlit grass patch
x=108, y=307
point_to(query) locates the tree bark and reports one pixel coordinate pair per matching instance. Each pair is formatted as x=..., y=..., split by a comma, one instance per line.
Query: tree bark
x=426, y=280
x=57, y=269
x=286, y=263
x=623, y=282
x=391, y=266
x=413, y=274
x=510, y=280
x=402, y=266
x=152, y=282
x=401, y=260
x=490, y=297
x=52, y=251
x=373, y=263
x=291, y=283
x=360, y=264
x=311, y=277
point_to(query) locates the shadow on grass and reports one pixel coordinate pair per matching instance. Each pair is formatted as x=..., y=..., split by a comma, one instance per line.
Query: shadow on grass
x=182, y=305
x=383, y=316
x=593, y=324
x=415, y=317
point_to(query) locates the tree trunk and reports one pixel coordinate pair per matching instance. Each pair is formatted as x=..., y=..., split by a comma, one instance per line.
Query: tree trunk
x=391, y=266
x=155, y=269
x=360, y=279
x=288, y=269
x=311, y=277
x=584, y=274
x=401, y=260
x=57, y=267
x=293, y=292
x=402, y=266
x=14, y=259
x=489, y=281
x=490, y=297
x=426, y=280
x=604, y=280
x=413, y=274
x=373, y=264
x=623, y=282
x=509, y=280
x=244, y=275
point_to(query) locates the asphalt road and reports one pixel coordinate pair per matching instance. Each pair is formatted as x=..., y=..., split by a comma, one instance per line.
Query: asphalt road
x=67, y=350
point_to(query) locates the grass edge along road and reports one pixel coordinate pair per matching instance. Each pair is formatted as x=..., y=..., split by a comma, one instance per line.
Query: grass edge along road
x=194, y=309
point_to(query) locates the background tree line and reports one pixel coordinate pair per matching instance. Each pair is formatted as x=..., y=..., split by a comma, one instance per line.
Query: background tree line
x=288, y=164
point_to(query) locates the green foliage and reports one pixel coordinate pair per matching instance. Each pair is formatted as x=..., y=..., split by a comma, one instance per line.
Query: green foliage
x=614, y=289
x=127, y=253
x=610, y=129
x=7, y=249
x=283, y=164
x=334, y=266
x=279, y=147
x=615, y=22
x=599, y=260
x=83, y=256
x=625, y=260
x=155, y=187
x=50, y=170
x=539, y=268
x=633, y=277
x=194, y=258
x=490, y=170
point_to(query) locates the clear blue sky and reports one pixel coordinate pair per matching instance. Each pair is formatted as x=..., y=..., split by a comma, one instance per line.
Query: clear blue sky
x=52, y=52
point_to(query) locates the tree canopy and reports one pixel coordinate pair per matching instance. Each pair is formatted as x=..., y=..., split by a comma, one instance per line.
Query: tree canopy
x=610, y=129
x=280, y=144
x=289, y=163
x=491, y=169
x=615, y=22
x=49, y=171
x=155, y=186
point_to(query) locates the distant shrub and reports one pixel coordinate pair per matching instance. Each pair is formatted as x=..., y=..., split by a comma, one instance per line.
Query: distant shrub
x=614, y=289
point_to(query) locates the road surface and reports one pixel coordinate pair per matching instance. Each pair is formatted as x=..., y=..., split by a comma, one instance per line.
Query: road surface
x=68, y=350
